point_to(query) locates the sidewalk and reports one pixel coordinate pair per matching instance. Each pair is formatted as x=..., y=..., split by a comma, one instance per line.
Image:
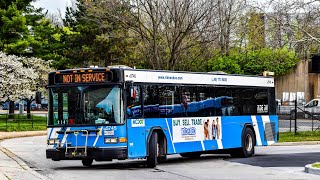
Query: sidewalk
x=12, y=167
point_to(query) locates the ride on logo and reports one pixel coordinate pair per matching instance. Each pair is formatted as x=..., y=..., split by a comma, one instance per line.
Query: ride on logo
x=191, y=131
x=137, y=122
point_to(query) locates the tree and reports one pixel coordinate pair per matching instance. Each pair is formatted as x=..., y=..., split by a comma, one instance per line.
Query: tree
x=14, y=30
x=254, y=62
x=47, y=41
x=256, y=30
x=229, y=13
x=16, y=80
x=293, y=25
x=42, y=69
x=166, y=29
x=26, y=32
x=20, y=4
x=20, y=77
x=92, y=44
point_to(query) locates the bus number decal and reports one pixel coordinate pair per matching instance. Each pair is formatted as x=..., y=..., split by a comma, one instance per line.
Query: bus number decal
x=137, y=122
x=109, y=130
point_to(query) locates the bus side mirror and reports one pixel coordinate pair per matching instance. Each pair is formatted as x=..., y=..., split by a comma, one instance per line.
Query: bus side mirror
x=38, y=97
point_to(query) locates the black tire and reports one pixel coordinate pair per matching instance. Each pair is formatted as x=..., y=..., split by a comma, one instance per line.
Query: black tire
x=162, y=158
x=152, y=159
x=87, y=162
x=191, y=155
x=162, y=148
x=248, y=142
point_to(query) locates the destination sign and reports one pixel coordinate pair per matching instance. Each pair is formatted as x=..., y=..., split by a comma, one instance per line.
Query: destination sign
x=83, y=77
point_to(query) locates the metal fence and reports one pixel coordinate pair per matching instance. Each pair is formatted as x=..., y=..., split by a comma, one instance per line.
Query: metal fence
x=23, y=122
x=296, y=118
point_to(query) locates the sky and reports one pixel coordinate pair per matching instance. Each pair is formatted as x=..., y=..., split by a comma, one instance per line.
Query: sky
x=53, y=5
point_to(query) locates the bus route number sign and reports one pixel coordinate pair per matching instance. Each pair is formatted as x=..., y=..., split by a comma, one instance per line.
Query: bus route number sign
x=82, y=78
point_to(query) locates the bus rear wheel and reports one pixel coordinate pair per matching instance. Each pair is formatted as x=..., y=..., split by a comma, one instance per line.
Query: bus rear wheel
x=87, y=162
x=248, y=143
x=152, y=160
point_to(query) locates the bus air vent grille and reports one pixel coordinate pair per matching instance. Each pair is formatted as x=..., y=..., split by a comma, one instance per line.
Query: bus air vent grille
x=269, y=132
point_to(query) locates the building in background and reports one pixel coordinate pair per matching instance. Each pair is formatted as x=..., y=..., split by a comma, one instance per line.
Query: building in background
x=302, y=84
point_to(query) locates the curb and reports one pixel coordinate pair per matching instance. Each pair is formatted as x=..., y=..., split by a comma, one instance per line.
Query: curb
x=18, y=134
x=296, y=143
x=2, y=176
x=309, y=169
x=21, y=163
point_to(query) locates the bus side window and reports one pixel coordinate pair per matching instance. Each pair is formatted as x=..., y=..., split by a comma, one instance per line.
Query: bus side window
x=169, y=101
x=151, y=101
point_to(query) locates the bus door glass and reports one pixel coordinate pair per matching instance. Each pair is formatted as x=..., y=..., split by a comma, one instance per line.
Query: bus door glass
x=135, y=123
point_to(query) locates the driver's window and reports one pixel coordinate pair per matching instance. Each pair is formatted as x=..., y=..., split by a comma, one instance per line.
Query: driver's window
x=315, y=103
x=312, y=104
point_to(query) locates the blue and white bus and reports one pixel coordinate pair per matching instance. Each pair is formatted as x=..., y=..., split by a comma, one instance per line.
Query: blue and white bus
x=103, y=114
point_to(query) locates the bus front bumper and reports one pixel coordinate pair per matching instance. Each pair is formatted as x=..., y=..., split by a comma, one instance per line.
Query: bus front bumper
x=99, y=154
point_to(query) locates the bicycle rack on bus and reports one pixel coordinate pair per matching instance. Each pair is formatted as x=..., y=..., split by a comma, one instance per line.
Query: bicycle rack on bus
x=74, y=149
x=77, y=151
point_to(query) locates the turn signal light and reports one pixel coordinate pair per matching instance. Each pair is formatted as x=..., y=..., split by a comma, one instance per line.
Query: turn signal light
x=123, y=140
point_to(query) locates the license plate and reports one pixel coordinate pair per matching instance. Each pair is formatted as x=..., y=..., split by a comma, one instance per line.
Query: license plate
x=109, y=133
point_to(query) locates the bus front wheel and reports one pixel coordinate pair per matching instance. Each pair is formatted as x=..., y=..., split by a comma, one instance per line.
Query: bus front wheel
x=153, y=151
x=87, y=162
x=248, y=143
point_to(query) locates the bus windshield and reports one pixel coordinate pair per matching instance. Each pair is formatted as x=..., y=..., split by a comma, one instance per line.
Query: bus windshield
x=85, y=105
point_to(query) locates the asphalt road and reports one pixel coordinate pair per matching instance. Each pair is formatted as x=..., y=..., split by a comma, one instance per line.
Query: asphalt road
x=272, y=162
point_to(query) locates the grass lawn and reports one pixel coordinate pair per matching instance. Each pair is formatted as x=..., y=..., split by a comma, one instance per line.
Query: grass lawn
x=300, y=136
x=22, y=123
x=316, y=165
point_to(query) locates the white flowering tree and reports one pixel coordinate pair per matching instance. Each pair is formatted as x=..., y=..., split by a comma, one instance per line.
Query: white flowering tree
x=20, y=78
x=41, y=68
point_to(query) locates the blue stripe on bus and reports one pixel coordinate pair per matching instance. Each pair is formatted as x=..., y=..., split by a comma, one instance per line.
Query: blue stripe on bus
x=261, y=130
x=171, y=147
x=50, y=133
x=188, y=146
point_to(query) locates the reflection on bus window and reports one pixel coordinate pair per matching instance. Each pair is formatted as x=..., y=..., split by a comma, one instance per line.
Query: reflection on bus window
x=191, y=101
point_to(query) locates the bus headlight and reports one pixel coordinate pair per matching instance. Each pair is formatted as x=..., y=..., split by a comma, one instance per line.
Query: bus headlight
x=110, y=140
x=53, y=141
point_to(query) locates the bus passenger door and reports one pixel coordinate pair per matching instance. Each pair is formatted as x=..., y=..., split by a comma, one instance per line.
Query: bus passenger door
x=136, y=138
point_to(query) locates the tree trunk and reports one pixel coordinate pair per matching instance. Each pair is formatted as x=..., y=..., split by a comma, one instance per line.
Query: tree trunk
x=11, y=109
x=28, y=109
